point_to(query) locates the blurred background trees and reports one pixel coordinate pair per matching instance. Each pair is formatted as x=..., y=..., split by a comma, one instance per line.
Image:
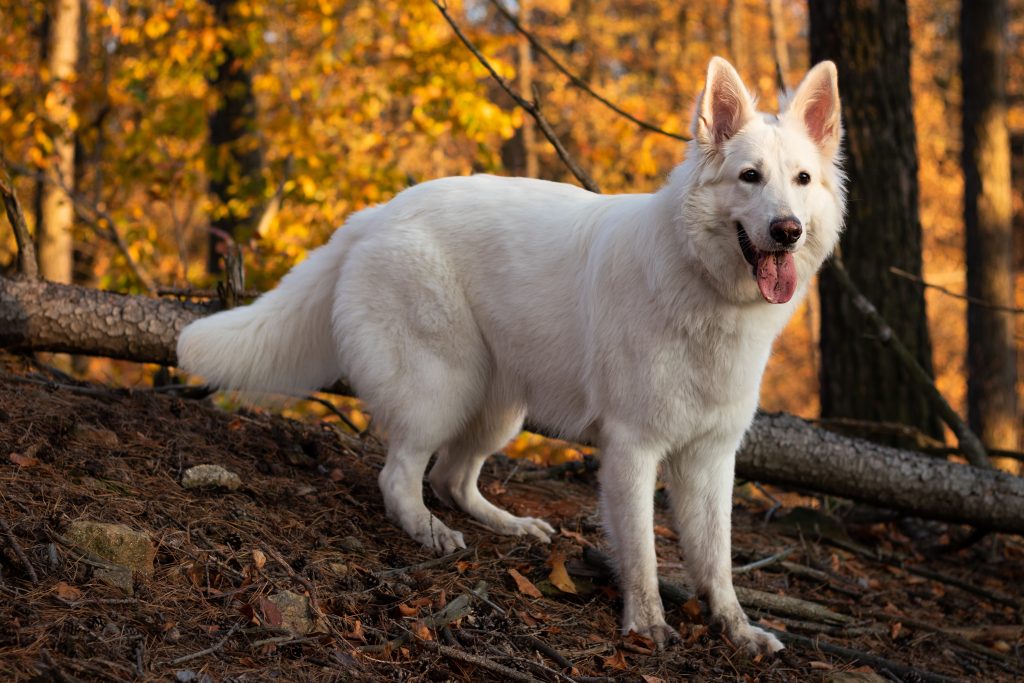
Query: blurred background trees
x=164, y=130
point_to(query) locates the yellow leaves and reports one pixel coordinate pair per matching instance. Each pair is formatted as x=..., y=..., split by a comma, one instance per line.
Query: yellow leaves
x=156, y=26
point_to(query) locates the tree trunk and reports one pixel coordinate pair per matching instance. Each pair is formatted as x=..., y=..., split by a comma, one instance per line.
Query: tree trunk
x=988, y=222
x=779, y=449
x=56, y=216
x=734, y=33
x=235, y=158
x=860, y=379
x=778, y=39
x=519, y=153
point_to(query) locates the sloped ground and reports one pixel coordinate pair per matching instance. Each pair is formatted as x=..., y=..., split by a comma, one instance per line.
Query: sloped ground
x=308, y=520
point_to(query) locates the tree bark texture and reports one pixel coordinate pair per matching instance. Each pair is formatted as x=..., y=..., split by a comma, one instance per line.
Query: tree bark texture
x=56, y=216
x=236, y=160
x=860, y=379
x=43, y=316
x=779, y=449
x=988, y=218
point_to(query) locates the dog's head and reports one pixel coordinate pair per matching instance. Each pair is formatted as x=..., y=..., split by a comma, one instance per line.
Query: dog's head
x=765, y=198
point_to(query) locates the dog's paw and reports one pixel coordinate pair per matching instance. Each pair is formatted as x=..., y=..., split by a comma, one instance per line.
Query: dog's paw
x=661, y=633
x=748, y=638
x=526, y=526
x=436, y=536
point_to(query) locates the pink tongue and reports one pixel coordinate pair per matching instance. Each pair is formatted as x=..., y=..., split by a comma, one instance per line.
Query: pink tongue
x=776, y=276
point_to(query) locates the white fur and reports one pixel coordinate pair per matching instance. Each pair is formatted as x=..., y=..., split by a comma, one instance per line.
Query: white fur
x=633, y=320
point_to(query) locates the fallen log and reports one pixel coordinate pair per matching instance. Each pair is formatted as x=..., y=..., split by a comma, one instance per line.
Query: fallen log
x=779, y=449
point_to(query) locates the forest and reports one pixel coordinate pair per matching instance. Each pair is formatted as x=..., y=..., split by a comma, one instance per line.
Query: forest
x=161, y=161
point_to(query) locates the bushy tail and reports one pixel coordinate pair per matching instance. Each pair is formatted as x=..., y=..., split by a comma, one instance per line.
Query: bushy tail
x=282, y=343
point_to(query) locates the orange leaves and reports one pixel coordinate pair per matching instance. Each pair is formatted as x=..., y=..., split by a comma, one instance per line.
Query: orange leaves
x=524, y=585
x=559, y=577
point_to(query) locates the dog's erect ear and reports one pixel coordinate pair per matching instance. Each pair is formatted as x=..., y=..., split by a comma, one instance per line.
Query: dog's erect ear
x=724, y=106
x=816, y=103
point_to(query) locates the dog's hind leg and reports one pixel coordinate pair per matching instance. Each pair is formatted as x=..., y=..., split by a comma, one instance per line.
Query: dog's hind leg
x=454, y=475
x=700, y=489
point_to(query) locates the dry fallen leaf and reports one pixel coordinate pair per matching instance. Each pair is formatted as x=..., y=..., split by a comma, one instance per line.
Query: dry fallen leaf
x=23, y=460
x=559, y=577
x=615, y=661
x=691, y=608
x=524, y=585
x=894, y=629
x=407, y=611
x=66, y=591
x=651, y=679
x=258, y=558
x=665, y=532
x=356, y=633
x=421, y=631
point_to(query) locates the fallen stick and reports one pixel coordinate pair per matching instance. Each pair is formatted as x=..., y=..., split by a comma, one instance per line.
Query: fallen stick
x=453, y=611
x=16, y=547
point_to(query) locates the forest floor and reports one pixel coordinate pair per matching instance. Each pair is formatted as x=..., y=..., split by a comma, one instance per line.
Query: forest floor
x=366, y=604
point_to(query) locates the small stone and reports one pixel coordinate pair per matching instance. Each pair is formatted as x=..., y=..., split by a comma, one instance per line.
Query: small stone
x=339, y=569
x=116, y=543
x=296, y=615
x=210, y=476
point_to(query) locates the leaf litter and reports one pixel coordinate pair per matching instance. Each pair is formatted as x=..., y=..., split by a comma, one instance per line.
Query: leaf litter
x=308, y=523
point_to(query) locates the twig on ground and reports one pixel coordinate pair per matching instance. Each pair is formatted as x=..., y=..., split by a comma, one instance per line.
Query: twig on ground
x=208, y=651
x=968, y=440
x=545, y=649
x=529, y=664
x=953, y=638
x=426, y=564
x=576, y=80
x=529, y=107
x=16, y=547
x=899, y=272
x=483, y=662
x=771, y=559
x=875, y=662
x=453, y=611
x=28, y=267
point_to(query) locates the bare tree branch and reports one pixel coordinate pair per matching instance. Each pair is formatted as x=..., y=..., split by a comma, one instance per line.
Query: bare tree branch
x=970, y=444
x=27, y=264
x=531, y=108
x=576, y=80
x=899, y=272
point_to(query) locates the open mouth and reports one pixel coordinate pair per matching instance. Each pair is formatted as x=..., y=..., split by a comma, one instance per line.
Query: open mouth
x=774, y=271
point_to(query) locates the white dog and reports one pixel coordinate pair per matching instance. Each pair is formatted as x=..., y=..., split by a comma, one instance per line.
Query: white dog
x=639, y=322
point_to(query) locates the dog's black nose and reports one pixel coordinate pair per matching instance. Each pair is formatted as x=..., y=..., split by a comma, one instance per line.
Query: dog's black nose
x=785, y=231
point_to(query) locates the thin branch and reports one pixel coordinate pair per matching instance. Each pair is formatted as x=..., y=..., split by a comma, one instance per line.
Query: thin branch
x=27, y=264
x=16, y=547
x=95, y=217
x=899, y=272
x=970, y=444
x=531, y=108
x=576, y=80
x=219, y=645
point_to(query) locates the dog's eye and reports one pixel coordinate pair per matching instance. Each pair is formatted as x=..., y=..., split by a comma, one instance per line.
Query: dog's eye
x=804, y=178
x=750, y=176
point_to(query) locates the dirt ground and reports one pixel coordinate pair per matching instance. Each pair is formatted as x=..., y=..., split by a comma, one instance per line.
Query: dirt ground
x=308, y=522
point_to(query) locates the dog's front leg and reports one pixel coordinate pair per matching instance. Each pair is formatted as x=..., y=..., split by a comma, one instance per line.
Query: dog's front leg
x=628, y=477
x=700, y=487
